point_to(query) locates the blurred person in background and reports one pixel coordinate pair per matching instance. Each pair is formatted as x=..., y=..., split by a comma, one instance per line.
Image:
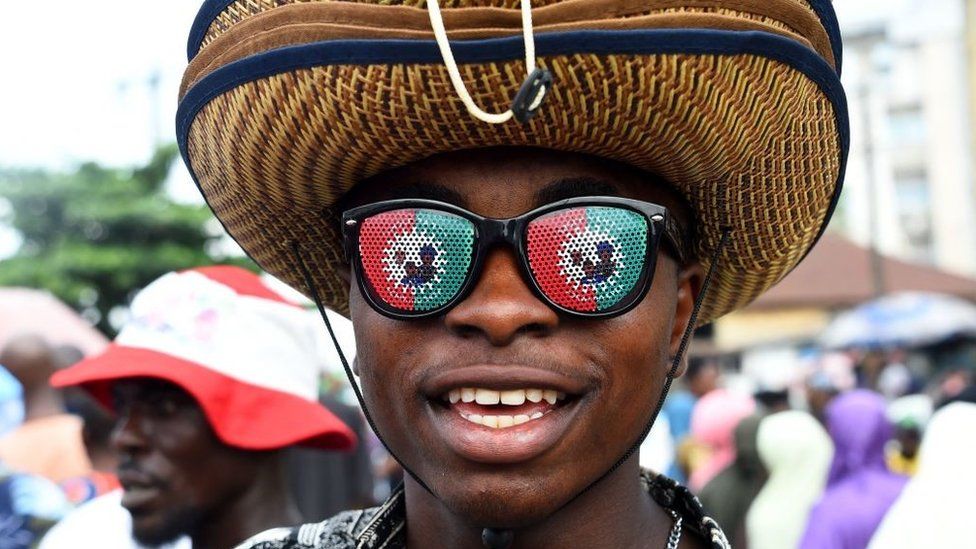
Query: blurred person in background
x=96, y=433
x=868, y=370
x=211, y=378
x=771, y=401
x=29, y=506
x=935, y=509
x=11, y=402
x=348, y=475
x=896, y=378
x=712, y=424
x=860, y=488
x=796, y=451
x=728, y=497
x=909, y=414
x=832, y=375
x=951, y=383
x=701, y=378
x=49, y=442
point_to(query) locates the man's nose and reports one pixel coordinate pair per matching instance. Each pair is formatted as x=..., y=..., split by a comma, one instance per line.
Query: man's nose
x=501, y=307
x=128, y=435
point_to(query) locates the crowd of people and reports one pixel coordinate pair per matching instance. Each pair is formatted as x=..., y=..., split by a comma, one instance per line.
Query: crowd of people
x=830, y=463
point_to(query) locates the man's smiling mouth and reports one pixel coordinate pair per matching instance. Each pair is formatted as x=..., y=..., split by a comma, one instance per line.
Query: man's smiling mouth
x=502, y=414
x=503, y=409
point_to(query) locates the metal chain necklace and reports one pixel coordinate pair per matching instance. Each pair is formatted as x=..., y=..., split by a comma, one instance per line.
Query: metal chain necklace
x=675, y=536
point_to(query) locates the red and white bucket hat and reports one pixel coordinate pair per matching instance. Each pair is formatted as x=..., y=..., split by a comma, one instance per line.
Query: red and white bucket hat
x=245, y=353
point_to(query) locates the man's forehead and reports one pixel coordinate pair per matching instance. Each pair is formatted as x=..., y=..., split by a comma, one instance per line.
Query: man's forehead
x=559, y=189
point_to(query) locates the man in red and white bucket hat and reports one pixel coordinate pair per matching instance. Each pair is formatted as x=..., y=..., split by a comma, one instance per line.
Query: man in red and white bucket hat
x=213, y=375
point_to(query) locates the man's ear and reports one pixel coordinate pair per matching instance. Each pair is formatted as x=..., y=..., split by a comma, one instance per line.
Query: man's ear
x=689, y=283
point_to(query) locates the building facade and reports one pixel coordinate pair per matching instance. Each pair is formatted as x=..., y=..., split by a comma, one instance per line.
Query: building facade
x=911, y=182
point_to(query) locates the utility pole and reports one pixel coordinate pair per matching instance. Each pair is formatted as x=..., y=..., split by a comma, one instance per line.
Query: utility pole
x=152, y=86
x=871, y=70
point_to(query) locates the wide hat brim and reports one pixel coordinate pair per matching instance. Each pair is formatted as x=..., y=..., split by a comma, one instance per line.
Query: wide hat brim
x=242, y=415
x=749, y=125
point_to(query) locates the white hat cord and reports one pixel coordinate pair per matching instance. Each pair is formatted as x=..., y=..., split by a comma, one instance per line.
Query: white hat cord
x=534, y=88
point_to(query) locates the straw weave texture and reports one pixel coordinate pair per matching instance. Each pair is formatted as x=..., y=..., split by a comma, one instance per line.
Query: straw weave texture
x=752, y=143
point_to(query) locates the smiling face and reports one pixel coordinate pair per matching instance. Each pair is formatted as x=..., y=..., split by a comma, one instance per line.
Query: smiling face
x=504, y=407
x=174, y=470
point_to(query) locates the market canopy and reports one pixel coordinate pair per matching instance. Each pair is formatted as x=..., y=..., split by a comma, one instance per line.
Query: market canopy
x=909, y=319
x=28, y=311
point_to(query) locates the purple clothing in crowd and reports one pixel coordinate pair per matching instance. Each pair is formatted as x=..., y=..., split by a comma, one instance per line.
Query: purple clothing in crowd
x=860, y=489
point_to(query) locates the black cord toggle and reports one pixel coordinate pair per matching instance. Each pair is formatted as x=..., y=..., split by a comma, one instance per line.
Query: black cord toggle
x=531, y=95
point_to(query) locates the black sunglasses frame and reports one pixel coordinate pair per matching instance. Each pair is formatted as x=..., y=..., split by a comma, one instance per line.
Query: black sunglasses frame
x=490, y=233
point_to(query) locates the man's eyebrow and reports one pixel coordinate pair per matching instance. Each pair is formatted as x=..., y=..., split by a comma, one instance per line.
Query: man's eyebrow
x=574, y=187
x=427, y=191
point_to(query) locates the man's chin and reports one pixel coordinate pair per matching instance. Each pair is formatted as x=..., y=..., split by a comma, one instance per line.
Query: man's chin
x=153, y=531
x=504, y=507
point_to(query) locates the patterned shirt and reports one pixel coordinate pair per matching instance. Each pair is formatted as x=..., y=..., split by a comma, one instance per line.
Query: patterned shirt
x=384, y=527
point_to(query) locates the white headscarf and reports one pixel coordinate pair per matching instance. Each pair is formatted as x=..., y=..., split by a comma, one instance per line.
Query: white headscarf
x=796, y=451
x=935, y=509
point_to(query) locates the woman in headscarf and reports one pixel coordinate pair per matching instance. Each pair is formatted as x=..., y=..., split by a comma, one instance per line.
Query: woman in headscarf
x=728, y=496
x=796, y=451
x=712, y=422
x=860, y=488
x=924, y=516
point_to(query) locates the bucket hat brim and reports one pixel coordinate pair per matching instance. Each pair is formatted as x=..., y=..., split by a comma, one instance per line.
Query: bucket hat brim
x=242, y=415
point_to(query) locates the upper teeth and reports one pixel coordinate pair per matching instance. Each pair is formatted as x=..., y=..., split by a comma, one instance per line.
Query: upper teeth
x=514, y=397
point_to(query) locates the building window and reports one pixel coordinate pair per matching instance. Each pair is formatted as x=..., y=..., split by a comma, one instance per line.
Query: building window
x=915, y=213
x=906, y=125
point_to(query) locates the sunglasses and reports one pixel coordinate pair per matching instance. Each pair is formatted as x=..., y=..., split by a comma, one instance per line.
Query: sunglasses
x=589, y=257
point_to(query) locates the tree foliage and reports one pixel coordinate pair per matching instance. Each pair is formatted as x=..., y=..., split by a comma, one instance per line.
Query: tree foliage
x=96, y=235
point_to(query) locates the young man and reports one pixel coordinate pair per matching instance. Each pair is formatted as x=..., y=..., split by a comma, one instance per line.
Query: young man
x=335, y=140
x=213, y=375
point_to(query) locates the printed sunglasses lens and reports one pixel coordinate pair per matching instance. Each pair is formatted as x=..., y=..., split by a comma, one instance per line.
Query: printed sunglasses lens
x=415, y=260
x=588, y=259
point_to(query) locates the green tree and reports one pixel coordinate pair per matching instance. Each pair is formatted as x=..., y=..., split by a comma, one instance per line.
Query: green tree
x=95, y=235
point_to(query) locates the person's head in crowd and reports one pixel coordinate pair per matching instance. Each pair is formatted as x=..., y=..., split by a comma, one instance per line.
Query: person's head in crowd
x=869, y=368
x=909, y=415
x=713, y=422
x=96, y=434
x=951, y=383
x=211, y=378
x=934, y=509
x=773, y=401
x=96, y=431
x=515, y=373
x=966, y=394
x=797, y=452
x=31, y=360
x=729, y=495
x=702, y=376
x=833, y=374
x=860, y=488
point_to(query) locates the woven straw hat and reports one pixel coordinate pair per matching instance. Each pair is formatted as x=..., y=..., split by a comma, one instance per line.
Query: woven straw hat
x=249, y=357
x=286, y=104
